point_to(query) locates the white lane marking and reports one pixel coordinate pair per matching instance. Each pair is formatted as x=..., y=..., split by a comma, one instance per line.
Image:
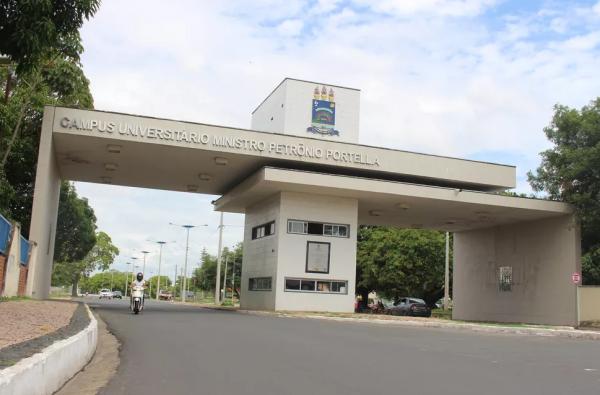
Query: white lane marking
x=591, y=370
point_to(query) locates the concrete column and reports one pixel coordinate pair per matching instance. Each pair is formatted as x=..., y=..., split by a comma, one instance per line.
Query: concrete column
x=44, y=213
x=11, y=285
x=541, y=254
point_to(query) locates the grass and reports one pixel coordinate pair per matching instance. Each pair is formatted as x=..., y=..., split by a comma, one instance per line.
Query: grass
x=13, y=298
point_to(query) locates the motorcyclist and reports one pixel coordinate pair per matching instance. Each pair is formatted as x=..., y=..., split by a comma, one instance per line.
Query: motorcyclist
x=138, y=282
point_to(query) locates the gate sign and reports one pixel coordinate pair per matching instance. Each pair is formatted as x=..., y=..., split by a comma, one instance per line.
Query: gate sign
x=576, y=278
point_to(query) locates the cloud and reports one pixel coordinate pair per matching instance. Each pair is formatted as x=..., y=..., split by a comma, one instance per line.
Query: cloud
x=459, y=78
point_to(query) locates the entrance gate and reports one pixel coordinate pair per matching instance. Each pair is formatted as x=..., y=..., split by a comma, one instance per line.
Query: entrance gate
x=303, y=200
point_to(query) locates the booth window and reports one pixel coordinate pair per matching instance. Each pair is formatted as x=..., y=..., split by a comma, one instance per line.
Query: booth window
x=318, y=228
x=505, y=279
x=292, y=284
x=268, y=229
x=316, y=286
x=260, y=284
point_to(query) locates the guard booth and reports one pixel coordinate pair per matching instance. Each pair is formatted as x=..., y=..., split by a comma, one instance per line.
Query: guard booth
x=305, y=185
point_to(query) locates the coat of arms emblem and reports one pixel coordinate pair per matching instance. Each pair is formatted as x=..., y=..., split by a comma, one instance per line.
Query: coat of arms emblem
x=323, y=113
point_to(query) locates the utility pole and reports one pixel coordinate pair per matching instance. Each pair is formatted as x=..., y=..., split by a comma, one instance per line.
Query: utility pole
x=112, y=276
x=225, y=278
x=175, y=283
x=447, y=273
x=219, y=257
x=161, y=244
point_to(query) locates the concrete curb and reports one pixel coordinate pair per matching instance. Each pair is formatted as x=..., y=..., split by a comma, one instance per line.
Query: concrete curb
x=565, y=332
x=47, y=371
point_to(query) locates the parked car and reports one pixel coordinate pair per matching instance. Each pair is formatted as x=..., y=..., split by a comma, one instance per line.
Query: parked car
x=165, y=295
x=117, y=295
x=410, y=306
x=106, y=293
x=380, y=305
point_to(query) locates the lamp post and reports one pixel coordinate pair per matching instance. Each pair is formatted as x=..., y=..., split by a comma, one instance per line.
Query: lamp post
x=232, y=281
x=187, y=248
x=225, y=279
x=133, y=266
x=161, y=244
x=447, y=273
x=144, y=268
x=126, y=277
x=219, y=257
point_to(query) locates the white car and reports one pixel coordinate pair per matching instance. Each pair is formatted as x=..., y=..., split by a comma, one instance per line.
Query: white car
x=106, y=293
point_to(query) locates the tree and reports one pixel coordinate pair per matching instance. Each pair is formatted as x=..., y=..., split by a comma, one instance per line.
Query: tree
x=32, y=28
x=41, y=41
x=110, y=279
x=75, y=228
x=165, y=282
x=400, y=262
x=205, y=276
x=100, y=257
x=570, y=172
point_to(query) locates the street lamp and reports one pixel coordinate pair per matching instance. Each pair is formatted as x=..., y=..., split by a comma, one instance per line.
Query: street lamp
x=126, y=277
x=161, y=244
x=144, y=268
x=187, y=248
x=133, y=266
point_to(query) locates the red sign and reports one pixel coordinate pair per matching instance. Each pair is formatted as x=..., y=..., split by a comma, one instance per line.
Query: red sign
x=576, y=278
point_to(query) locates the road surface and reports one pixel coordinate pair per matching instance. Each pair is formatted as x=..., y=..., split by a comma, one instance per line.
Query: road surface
x=177, y=349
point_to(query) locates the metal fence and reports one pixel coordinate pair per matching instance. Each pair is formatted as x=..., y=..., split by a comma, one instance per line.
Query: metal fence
x=5, y=229
x=25, y=246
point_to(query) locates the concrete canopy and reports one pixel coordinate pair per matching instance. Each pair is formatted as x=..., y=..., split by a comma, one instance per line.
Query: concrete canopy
x=226, y=156
x=392, y=203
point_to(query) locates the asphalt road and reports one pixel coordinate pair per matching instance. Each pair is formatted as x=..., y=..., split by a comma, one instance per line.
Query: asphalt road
x=175, y=349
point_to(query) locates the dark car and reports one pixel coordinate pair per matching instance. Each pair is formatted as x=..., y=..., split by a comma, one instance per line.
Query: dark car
x=117, y=295
x=410, y=306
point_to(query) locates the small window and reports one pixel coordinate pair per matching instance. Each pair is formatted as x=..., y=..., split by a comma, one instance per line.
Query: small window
x=324, y=286
x=260, y=284
x=338, y=286
x=292, y=285
x=307, y=285
x=505, y=278
x=299, y=227
x=316, y=286
x=263, y=230
x=315, y=228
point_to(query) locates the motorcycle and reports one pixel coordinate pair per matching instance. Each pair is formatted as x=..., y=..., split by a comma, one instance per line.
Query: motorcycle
x=137, y=299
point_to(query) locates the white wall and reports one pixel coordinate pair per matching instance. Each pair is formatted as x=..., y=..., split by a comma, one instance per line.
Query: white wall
x=290, y=106
x=269, y=116
x=292, y=251
x=260, y=255
x=543, y=255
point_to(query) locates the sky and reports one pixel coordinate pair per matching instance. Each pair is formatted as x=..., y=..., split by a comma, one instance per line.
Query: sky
x=474, y=79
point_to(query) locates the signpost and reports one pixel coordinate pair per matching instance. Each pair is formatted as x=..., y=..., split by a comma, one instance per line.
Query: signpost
x=576, y=278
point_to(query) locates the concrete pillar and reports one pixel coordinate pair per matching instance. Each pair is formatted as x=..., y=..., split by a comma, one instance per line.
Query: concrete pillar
x=44, y=213
x=13, y=266
x=541, y=255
